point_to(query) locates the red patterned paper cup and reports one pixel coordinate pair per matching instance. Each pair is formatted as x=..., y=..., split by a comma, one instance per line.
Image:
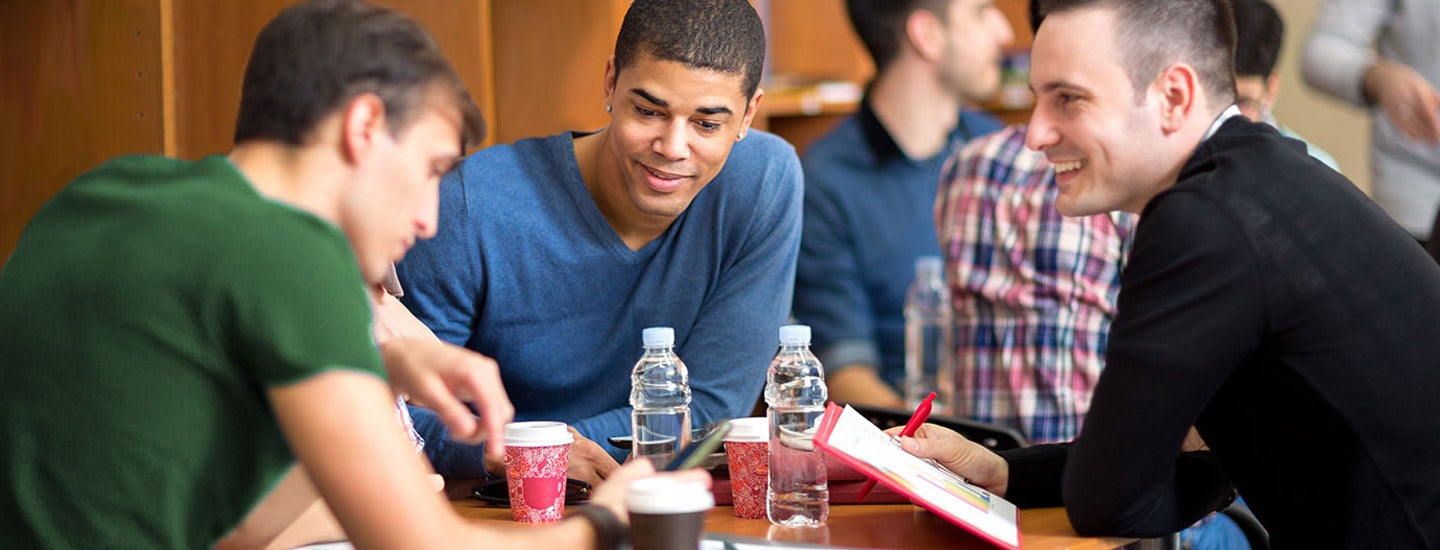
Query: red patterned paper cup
x=747, y=450
x=537, y=455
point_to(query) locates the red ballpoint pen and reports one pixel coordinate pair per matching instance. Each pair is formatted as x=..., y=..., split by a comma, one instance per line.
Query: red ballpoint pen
x=922, y=413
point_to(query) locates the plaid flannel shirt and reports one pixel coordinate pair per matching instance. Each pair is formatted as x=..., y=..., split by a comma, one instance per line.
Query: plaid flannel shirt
x=1034, y=292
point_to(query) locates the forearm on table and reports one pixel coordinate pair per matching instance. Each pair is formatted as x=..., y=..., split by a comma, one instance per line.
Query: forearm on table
x=860, y=384
x=315, y=525
x=706, y=406
x=383, y=500
x=1194, y=303
x=280, y=515
x=1035, y=474
x=599, y=428
x=451, y=459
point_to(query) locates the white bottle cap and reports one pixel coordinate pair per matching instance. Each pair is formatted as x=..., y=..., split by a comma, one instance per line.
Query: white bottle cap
x=929, y=264
x=537, y=434
x=795, y=335
x=658, y=337
x=667, y=495
x=755, y=429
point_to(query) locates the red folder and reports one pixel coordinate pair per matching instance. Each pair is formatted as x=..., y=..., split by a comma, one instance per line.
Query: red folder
x=863, y=447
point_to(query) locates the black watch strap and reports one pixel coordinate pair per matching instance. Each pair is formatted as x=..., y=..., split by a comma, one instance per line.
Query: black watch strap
x=610, y=534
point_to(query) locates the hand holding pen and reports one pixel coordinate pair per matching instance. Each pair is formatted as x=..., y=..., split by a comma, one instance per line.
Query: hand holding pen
x=922, y=413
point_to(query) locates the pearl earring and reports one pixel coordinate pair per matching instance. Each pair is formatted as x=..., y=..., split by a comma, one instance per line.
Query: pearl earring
x=607, y=108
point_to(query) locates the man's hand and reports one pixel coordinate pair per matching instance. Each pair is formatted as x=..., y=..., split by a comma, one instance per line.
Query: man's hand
x=588, y=462
x=1408, y=99
x=443, y=377
x=966, y=458
x=393, y=320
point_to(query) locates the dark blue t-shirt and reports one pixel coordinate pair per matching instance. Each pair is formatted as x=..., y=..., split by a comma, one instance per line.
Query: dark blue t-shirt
x=869, y=212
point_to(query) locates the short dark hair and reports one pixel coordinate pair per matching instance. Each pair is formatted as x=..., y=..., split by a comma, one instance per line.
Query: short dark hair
x=1152, y=34
x=1259, y=32
x=719, y=35
x=880, y=24
x=316, y=56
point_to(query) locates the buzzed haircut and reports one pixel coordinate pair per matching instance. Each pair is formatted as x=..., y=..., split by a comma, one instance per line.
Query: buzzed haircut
x=316, y=56
x=719, y=35
x=1259, y=32
x=880, y=24
x=1153, y=34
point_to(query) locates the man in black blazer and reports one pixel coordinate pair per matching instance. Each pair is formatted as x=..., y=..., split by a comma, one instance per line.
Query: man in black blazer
x=1266, y=302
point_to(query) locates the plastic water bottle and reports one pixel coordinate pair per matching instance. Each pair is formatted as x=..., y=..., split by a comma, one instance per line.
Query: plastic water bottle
x=929, y=337
x=660, y=395
x=795, y=391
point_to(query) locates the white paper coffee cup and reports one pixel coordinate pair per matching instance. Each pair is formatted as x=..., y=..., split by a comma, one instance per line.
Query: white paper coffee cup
x=667, y=513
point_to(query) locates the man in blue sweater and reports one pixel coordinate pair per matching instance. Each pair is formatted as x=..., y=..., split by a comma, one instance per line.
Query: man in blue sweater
x=554, y=253
x=870, y=196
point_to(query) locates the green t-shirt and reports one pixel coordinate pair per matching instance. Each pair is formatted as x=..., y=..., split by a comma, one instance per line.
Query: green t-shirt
x=144, y=313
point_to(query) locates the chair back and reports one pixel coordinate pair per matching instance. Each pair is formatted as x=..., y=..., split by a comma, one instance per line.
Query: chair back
x=992, y=436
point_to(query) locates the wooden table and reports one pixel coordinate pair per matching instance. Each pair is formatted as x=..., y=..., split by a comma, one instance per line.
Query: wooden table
x=900, y=526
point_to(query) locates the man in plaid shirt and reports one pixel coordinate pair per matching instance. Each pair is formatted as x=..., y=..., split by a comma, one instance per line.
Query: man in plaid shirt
x=1034, y=292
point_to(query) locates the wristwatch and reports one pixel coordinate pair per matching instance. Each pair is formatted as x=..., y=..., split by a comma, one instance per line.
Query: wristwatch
x=610, y=534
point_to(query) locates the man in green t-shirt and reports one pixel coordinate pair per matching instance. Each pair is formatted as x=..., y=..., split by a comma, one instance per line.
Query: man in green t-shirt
x=177, y=334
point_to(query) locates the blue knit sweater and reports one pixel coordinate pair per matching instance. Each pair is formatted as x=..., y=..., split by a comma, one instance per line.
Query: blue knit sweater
x=525, y=269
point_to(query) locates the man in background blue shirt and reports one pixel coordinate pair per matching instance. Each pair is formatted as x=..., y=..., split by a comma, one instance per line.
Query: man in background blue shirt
x=871, y=182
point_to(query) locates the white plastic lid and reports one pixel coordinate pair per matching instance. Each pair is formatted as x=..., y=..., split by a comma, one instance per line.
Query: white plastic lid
x=667, y=495
x=929, y=264
x=537, y=434
x=794, y=335
x=658, y=337
x=755, y=429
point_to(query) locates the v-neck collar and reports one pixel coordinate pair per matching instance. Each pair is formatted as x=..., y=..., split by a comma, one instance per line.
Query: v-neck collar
x=594, y=220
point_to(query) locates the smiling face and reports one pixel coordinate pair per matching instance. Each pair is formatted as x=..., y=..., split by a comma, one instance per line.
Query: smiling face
x=976, y=33
x=1107, y=147
x=672, y=127
x=394, y=199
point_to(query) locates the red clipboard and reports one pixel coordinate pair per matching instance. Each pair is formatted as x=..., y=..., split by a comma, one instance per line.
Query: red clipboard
x=864, y=447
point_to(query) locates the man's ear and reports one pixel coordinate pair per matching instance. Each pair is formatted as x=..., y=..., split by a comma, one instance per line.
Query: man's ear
x=750, y=109
x=1272, y=89
x=926, y=34
x=363, y=121
x=1178, y=87
x=611, y=73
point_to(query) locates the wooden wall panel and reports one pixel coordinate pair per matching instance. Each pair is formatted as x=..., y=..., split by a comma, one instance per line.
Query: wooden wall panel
x=549, y=60
x=1018, y=12
x=213, y=41
x=81, y=84
x=83, y=78
x=813, y=39
x=462, y=28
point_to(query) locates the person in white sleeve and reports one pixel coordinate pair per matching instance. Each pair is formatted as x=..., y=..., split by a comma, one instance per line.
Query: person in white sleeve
x=1383, y=54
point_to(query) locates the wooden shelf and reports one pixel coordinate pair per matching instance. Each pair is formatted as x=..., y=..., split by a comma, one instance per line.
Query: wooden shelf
x=792, y=101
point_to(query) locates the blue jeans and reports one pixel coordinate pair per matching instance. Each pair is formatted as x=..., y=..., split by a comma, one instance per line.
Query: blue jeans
x=1214, y=532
